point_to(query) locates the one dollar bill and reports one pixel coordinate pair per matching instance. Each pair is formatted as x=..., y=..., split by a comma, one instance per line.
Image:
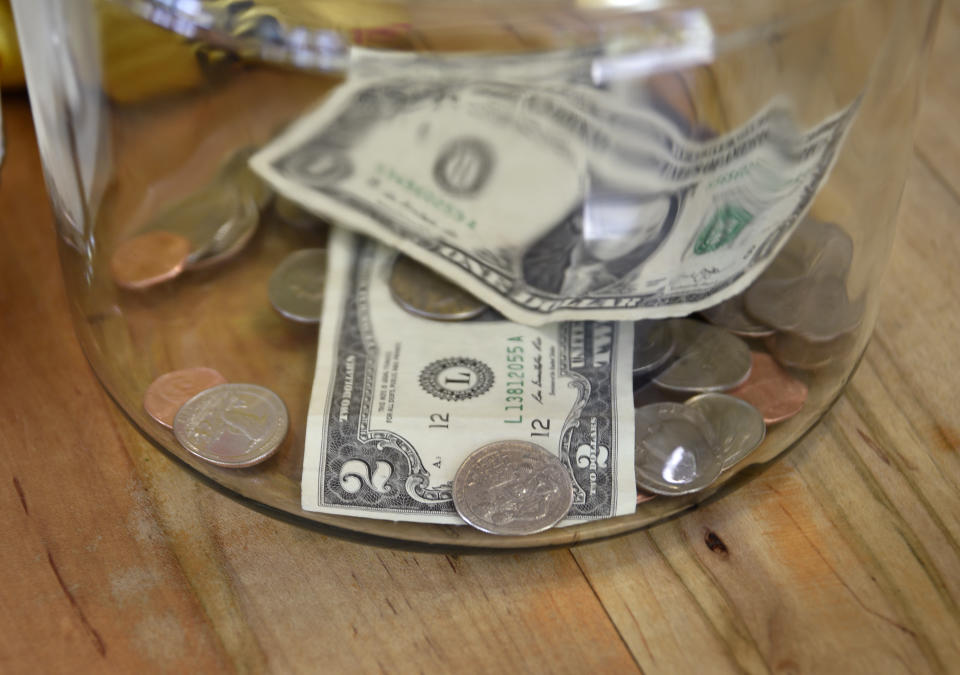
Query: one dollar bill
x=399, y=401
x=556, y=202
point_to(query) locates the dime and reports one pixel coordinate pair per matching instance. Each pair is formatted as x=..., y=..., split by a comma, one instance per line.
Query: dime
x=512, y=488
x=149, y=259
x=232, y=425
x=652, y=345
x=296, y=216
x=422, y=292
x=771, y=390
x=739, y=426
x=732, y=316
x=218, y=221
x=296, y=285
x=677, y=449
x=168, y=392
x=707, y=358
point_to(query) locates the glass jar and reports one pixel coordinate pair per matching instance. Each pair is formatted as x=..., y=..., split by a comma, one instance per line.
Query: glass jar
x=146, y=109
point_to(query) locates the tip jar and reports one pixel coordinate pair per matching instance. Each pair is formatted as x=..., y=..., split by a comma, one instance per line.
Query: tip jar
x=324, y=251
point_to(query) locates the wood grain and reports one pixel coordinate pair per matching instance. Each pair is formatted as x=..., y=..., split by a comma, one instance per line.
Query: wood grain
x=843, y=557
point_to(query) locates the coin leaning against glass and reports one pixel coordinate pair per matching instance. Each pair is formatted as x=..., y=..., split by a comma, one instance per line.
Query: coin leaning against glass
x=739, y=426
x=512, y=488
x=218, y=221
x=296, y=285
x=236, y=170
x=422, y=292
x=232, y=425
x=706, y=358
x=149, y=259
x=676, y=449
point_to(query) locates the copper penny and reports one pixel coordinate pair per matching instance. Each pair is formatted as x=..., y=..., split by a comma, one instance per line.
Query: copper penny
x=771, y=390
x=149, y=259
x=169, y=392
x=644, y=497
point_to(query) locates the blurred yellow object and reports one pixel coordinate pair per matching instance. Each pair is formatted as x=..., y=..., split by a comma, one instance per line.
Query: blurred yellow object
x=141, y=60
x=11, y=67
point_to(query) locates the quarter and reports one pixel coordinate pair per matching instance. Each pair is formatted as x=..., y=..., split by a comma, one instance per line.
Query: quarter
x=232, y=425
x=706, y=358
x=739, y=426
x=512, y=488
x=677, y=450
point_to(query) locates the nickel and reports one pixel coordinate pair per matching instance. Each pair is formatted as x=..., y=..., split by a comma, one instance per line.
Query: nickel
x=512, y=488
x=424, y=293
x=232, y=425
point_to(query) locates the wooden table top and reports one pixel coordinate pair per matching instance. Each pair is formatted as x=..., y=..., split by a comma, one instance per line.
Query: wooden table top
x=843, y=557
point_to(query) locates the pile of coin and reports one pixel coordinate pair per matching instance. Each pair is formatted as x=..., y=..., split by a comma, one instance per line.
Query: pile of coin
x=706, y=388
x=802, y=299
x=204, y=229
x=230, y=425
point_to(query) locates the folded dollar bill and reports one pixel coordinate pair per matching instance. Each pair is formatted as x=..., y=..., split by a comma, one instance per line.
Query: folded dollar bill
x=555, y=202
x=399, y=401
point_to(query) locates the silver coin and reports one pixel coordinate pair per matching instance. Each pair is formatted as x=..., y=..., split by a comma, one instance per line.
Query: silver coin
x=652, y=345
x=296, y=216
x=740, y=427
x=236, y=170
x=816, y=307
x=296, y=285
x=732, y=316
x=825, y=248
x=422, y=292
x=707, y=358
x=676, y=449
x=512, y=488
x=232, y=425
x=794, y=351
